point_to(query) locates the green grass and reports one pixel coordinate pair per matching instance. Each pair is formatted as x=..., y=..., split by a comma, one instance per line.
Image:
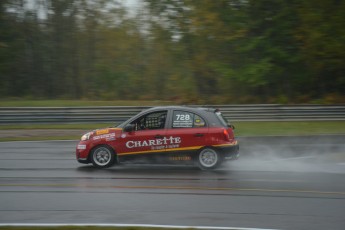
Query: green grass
x=57, y=126
x=287, y=128
x=248, y=128
x=66, y=103
x=283, y=128
x=40, y=138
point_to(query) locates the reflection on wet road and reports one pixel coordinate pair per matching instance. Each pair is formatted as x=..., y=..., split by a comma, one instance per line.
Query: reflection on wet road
x=269, y=187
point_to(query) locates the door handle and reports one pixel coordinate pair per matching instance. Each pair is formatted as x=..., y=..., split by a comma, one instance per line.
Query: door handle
x=158, y=136
x=199, y=135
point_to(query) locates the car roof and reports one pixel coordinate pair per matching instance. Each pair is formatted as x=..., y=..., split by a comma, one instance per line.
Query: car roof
x=204, y=112
x=191, y=109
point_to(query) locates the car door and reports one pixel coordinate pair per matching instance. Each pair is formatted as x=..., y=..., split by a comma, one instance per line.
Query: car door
x=147, y=136
x=191, y=131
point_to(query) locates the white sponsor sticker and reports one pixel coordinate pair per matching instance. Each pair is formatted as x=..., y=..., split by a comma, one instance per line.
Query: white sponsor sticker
x=81, y=147
x=109, y=136
x=155, y=142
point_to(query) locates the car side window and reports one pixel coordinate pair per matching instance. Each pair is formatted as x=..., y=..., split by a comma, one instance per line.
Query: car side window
x=183, y=119
x=155, y=120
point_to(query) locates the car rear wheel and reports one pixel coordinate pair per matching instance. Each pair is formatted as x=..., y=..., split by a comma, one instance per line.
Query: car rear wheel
x=102, y=156
x=208, y=159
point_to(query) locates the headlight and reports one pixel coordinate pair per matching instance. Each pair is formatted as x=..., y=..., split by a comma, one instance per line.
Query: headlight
x=86, y=136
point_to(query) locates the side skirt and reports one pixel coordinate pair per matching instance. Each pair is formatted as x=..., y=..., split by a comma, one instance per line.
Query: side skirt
x=181, y=157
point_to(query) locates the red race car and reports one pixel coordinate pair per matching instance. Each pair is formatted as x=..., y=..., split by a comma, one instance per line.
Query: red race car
x=172, y=134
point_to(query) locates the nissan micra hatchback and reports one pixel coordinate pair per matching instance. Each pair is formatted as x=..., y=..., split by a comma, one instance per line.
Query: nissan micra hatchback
x=173, y=134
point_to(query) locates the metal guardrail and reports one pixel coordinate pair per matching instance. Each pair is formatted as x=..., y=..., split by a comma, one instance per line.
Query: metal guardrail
x=117, y=114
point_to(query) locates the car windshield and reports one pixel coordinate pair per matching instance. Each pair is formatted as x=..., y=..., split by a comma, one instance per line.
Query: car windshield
x=222, y=119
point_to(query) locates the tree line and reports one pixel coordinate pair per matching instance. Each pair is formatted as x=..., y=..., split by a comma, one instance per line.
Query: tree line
x=189, y=51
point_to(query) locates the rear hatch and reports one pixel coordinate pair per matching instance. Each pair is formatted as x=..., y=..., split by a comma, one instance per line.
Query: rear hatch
x=226, y=124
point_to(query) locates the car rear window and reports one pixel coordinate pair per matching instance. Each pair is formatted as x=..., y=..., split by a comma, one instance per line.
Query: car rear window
x=222, y=119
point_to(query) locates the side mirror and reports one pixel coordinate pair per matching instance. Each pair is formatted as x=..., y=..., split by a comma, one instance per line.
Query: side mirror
x=231, y=126
x=129, y=128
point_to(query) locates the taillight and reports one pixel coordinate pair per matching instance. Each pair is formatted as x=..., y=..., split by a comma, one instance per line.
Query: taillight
x=226, y=135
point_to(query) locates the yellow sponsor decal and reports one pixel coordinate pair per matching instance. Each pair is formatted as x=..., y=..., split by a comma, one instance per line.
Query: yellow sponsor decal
x=162, y=150
x=174, y=149
x=102, y=131
x=181, y=158
x=231, y=144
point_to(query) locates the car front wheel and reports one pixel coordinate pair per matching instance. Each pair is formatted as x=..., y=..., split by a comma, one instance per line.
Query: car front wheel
x=102, y=156
x=208, y=159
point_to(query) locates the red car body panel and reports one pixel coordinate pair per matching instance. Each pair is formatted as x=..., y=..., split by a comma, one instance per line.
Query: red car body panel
x=177, y=144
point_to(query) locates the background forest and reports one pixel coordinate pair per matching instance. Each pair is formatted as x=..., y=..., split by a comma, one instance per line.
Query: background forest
x=191, y=51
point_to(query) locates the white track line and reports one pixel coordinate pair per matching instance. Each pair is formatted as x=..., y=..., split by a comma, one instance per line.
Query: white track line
x=126, y=225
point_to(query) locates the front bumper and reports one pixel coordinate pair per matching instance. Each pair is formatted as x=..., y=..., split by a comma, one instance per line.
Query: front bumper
x=82, y=152
x=83, y=160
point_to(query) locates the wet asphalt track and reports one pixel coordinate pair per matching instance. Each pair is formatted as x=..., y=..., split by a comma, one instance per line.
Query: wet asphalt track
x=279, y=183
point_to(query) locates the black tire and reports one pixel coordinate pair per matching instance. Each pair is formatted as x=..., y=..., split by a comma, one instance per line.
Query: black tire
x=102, y=156
x=208, y=158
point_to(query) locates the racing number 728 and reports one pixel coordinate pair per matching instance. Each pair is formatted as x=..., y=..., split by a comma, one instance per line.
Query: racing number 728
x=183, y=117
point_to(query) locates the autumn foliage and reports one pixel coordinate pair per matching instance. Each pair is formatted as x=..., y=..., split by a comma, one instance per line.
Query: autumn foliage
x=223, y=51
